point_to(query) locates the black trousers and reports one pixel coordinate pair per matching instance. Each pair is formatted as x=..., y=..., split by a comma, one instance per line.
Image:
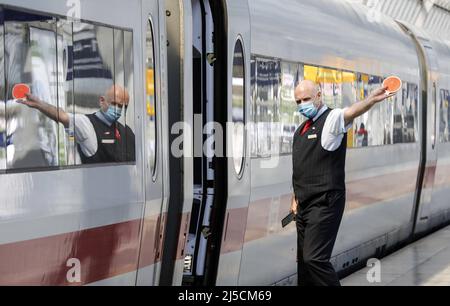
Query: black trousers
x=318, y=223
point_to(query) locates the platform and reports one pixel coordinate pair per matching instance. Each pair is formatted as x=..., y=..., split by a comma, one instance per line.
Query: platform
x=423, y=263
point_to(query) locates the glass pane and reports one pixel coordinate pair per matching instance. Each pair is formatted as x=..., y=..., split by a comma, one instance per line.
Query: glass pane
x=252, y=137
x=67, y=148
x=349, y=90
x=4, y=139
x=445, y=116
x=329, y=80
x=377, y=122
x=121, y=79
x=31, y=59
x=238, y=107
x=129, y=85
x=290, y=118
x=361, y=134
x=399, y=114
x=404, y=120
x=267, y=105
x=150, y=130
x=410, y=108
x=311, y=73
x=100, y=102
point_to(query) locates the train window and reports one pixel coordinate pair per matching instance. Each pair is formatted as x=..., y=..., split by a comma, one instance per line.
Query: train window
x=101, y=99
x=311, y=73
x=445, y=116
x=290, y=118
x=349, y=97
x=377, y=123
x=67, y=147
x=4, y=139
x=30, y=44
x=360, y=133
x=128, y=63
x=151, y=129
x=268, y=80
x=238, y=107
x=253, y=139
x=122, y=71
x=404, y=118
x=413, y=96
x=80, y=75
x=367, y=129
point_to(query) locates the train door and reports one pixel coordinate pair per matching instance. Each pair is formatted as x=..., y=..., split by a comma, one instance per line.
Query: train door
x=238, y=163
x=155, y=147
x=220, y=69
x=202, y=124
x=430, y=137
x=423, y=216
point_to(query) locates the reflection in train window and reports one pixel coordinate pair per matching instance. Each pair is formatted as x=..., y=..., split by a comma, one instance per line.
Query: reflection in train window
x=360, y=133
x=445, y=116
x=404, y=110
x=373, y=128
x=238, y=107
x=30, y=45
x=349, y=97
x=150, y=130
x=67, y=146
x=273, y=85
x=268, y=81
x=291, y=119
x=123, y=79
x=78, y=75
x=4, y=138
x=252, y=133
x=100, y=100
x=391, y=122
x=128, y=70
x=330, y=82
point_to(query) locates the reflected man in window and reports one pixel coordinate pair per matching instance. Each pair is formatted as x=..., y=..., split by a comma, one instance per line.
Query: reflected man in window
x=100, y=137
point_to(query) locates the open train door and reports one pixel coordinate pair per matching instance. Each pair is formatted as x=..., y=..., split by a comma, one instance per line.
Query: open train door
x=154, y=118
x=237, y=167
x=221, y=181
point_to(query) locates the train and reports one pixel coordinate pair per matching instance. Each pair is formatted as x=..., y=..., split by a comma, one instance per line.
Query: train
x=182, y=213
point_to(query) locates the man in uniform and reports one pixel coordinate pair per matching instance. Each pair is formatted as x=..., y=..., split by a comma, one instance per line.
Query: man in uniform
x=319, y=153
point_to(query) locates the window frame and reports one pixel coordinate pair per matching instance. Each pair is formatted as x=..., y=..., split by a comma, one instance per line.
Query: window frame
x=240, y=174
x=150, y=24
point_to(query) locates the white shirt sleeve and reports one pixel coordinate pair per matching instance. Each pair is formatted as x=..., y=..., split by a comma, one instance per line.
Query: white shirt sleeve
x=334, y=130
x=85, y=135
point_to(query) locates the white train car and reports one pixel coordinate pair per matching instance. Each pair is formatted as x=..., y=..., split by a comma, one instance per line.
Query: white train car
x=58, y=216
x=174, y=209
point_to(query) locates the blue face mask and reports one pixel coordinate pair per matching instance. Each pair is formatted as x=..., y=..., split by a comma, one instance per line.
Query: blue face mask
x=113, y=114
x=309, y=110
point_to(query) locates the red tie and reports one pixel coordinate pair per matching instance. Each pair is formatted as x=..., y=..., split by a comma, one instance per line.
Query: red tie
x=117, y=134
x=306, y=127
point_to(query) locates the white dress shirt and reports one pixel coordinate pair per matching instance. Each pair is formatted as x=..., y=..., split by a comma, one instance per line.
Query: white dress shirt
x=334, y=128
x=84, y=131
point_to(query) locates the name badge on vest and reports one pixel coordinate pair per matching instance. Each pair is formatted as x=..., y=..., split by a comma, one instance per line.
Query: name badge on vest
x=314, y=136
x=108, y=141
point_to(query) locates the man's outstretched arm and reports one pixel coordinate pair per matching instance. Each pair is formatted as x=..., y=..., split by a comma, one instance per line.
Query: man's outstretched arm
x=50, y=111
x=364, y=106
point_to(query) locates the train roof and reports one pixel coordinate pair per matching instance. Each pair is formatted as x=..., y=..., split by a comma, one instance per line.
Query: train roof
x=332, y=33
